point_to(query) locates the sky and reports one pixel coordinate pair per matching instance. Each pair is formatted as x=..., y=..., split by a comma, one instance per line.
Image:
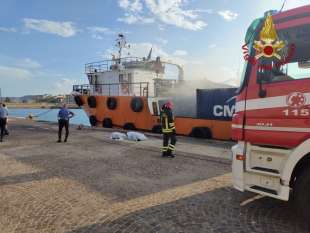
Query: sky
x=44, y=44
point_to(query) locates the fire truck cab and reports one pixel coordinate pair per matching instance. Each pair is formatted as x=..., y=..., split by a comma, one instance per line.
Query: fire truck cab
x=272, y=118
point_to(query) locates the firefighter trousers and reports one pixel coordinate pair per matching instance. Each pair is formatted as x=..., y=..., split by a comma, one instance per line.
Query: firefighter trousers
x=169, y=141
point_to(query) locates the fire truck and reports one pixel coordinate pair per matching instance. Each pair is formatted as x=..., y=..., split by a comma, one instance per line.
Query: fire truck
x=272, y=120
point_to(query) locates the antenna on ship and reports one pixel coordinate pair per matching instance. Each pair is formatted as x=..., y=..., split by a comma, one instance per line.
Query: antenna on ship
x=121, y=44
x=283, y=5
x=149, y=56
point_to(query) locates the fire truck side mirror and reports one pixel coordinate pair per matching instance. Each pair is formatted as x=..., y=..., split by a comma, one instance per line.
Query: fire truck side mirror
x=262, y=93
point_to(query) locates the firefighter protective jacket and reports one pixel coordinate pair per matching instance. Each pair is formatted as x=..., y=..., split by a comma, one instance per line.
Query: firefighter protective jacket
x=167, y=120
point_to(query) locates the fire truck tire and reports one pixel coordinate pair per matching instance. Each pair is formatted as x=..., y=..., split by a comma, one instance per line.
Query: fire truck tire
x=201, y=132
x=156, y=129
x=129, y=126
x=136, y=104
x=112, y=103
x=302, y=193
x=78, y=100
x=93, y=120
x=107, y=123
x=91, y=100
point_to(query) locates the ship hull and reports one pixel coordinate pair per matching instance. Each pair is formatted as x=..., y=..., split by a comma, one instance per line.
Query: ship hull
x=123, y=115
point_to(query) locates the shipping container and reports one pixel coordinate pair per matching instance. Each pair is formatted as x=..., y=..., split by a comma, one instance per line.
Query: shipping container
x=216, y=104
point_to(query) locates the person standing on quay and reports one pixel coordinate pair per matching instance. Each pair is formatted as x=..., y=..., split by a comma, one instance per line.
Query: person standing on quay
x=3, y=118
x=6, y=131
x=168, y=130
x=64, y=116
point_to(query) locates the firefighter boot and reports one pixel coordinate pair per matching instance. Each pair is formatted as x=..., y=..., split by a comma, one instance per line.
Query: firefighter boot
x=170, y=154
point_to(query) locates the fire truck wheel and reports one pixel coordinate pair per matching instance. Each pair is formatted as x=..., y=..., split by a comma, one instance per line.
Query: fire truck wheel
x=93, y=120
x=78, y=100
x=107, y=123
x=201, y=132
x=91, y=100
x=302, y=193
x=156, y=129
x=136, y=104
x=112, y=103
x=129, y=126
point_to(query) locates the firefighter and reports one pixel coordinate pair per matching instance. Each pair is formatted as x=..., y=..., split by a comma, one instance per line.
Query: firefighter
x=168, y=130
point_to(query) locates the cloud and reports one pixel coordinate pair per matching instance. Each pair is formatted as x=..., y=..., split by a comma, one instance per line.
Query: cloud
x=161, y=27
x=165, y=11
x=135, y=19
x=162, y=41
x=131, y=5
x=132, y=15
x=209, y=11
x=13, y=73
x=4, y=29
x=28, y=63
x=228, y=15
x=180, y=53
x=171, y=12
x=63, y=86
x=21, y=69
x=63, y=29
x=99, y=32
x=212, y=46
x=124, y=4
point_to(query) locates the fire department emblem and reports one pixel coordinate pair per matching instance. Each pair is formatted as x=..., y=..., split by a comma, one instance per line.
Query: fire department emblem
x=269, y=44
x=296, y=100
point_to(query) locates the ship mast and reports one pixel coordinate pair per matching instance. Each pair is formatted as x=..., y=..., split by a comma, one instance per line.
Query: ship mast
x=121, y=44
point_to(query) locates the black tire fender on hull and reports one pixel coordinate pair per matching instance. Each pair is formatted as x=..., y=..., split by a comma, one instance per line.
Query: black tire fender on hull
x=112, y=103
x=107, y=123
x=92, y=102
x=201, y=132
x=78, y=100
x=129, y=126
x=93, y=120
x=136, y=104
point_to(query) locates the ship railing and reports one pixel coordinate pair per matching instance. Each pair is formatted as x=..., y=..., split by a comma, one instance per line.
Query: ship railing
x=82, y=89
x=106, y=65
x=114, y=89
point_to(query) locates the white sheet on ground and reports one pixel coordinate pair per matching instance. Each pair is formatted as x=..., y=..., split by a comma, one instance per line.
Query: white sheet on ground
x=135, y=136
x=118, y=136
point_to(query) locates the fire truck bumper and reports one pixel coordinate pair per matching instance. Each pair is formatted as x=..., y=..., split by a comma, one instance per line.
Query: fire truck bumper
x=238, y=165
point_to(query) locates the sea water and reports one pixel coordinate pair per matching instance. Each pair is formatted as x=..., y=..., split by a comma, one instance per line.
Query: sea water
x=50, y=115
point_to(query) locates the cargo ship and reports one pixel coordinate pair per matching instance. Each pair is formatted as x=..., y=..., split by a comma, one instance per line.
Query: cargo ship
x=128, y=92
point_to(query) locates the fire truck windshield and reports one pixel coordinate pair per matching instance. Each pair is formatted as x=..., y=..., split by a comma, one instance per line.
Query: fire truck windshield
x=295, y=57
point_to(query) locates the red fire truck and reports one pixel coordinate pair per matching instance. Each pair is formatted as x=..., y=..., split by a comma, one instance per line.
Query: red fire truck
x=272, y=119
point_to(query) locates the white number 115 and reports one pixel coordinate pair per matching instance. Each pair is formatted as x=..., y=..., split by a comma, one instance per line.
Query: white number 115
x=297, y=112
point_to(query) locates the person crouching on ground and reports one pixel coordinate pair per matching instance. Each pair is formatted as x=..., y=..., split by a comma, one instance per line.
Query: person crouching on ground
x=168, y=130
x=64, y=116
x=3, y=119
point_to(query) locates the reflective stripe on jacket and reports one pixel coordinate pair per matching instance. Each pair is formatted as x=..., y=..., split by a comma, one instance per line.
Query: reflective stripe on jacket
x=167, y=121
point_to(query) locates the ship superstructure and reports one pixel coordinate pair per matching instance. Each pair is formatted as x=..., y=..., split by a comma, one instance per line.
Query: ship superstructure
x=128, y=92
